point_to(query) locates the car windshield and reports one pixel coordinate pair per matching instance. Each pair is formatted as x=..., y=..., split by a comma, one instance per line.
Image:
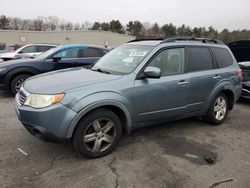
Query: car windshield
x=48, y=53
x=123, y=59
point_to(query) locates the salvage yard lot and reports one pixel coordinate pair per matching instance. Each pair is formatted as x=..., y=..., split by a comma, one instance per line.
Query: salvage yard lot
x=168, y=155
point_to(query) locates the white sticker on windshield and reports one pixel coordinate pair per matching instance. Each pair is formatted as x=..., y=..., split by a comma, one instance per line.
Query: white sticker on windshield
x=137, y=54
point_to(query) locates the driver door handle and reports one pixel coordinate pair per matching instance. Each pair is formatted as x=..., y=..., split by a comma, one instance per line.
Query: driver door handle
x=183, y=82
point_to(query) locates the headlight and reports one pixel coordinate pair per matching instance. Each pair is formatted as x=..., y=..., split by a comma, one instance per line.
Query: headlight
x=41, y=101
x=2, y=69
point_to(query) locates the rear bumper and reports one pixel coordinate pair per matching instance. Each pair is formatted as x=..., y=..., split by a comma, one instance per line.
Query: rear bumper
x=245, y=93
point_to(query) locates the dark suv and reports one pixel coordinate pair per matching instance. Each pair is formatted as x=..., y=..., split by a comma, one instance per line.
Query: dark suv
x=134, y=85
x=13, y=73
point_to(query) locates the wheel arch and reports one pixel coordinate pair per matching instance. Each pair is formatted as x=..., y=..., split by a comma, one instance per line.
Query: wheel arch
x=18, y=71
x=225, y=88
x=118, y=108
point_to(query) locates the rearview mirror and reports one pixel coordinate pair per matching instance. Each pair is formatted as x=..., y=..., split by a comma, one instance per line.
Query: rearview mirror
x=151, y=72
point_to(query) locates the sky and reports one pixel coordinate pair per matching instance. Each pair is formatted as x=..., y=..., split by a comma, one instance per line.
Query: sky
x=230, y=14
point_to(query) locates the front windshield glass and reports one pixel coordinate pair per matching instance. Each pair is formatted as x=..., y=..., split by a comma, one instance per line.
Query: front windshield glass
x=48, y=53
x=123, y=59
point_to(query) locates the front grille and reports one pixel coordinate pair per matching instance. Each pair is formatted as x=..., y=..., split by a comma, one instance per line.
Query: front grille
x=21, y=97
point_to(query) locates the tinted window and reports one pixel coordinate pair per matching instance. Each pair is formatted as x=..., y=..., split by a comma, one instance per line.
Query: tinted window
x=29, y=49
x=223, y=57
x=43, y=48
x=91, y=52
x=199, y=59
x=170, y=61
x=69, y=53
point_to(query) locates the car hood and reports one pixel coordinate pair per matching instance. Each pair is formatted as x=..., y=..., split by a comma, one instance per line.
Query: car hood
x=63, y=80
x=17, y=61
x=244, y=64
x=8, y=55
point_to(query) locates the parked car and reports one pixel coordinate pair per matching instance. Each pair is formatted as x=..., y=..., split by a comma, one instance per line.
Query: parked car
x=241, y=51
x=27, y=51
x=245, y=66
x=134, y=85
x=13, y=73
x=6, y=48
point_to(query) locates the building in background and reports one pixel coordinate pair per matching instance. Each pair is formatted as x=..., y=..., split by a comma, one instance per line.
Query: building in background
x=100, y=38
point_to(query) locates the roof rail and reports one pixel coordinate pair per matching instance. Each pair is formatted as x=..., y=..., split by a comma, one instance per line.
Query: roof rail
x=138, y=40
x=203, y=40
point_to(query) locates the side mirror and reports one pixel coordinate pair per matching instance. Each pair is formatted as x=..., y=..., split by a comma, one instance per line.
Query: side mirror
x=56, y=59
x=151, y=72
x=20, y=52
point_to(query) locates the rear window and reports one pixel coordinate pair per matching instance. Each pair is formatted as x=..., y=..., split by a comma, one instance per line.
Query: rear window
x=223, y=57
x=199, y=59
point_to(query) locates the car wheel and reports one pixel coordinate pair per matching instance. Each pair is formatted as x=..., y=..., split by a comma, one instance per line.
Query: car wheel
x=97, y=134
x=218, y=110
x=17, y=81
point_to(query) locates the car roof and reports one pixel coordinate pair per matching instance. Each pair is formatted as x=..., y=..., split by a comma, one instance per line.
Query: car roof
x=145, y=42
x=178, y=40
x=67, y=46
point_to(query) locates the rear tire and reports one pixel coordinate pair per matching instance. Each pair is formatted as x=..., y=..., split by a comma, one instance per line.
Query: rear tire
x=218, y=110
x=17, y=81
x=97, y=134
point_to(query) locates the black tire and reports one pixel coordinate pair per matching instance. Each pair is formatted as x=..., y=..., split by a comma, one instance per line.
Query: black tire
x=211, y=116
x=16, y=82
x=86, y=136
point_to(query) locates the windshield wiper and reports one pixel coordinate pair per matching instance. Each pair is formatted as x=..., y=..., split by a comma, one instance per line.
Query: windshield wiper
x=100, y=70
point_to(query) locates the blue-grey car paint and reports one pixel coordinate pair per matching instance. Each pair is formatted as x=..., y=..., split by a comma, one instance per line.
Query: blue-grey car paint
x=142, y=101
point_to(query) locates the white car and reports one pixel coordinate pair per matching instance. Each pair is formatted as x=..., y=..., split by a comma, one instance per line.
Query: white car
x=27, y=51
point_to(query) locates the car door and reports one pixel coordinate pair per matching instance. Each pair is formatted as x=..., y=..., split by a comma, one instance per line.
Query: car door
x=166, y=97
x=27, y=52
x=203, y=76
x=65, y=58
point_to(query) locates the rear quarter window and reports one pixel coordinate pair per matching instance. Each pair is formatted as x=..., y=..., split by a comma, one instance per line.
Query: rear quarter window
x=223, y=57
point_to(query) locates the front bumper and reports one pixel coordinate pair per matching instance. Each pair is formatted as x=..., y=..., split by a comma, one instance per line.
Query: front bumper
x=50, y=123
x=245, y=90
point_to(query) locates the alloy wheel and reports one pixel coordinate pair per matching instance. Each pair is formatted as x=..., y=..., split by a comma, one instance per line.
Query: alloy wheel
x=99, y=135
x=220, y=108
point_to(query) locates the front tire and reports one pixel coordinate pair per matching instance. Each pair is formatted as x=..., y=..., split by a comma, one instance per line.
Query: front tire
x=218, y=110
x=16, y=83
x=97, y=134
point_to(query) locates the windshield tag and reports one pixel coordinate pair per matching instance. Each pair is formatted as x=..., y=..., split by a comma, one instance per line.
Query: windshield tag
x=137, y=54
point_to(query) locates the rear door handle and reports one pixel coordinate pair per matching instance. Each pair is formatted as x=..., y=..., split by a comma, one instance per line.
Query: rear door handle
x=216, y=76
x=183, y=82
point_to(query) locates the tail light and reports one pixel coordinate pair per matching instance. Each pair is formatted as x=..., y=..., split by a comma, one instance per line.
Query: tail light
x=239, y=73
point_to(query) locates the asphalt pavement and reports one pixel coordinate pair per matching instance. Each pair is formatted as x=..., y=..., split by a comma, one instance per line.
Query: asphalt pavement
x=185, y=153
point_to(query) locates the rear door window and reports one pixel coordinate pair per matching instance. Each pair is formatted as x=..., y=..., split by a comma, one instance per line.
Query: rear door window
x=91, y=52
x=199, y=59
x=223, y=57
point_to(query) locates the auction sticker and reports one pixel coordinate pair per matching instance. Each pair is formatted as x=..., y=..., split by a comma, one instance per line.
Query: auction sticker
x=137, y=54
